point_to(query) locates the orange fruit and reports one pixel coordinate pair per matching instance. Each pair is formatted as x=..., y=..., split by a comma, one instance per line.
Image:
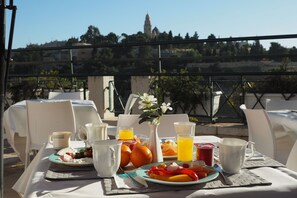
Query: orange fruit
x=140, y=156
x=125, y=155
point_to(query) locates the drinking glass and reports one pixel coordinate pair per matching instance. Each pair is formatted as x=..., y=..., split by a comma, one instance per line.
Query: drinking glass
x=185, y=147
x=126, y=133
x=185, y=128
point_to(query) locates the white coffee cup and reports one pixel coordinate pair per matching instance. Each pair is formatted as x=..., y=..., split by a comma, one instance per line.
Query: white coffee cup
x=185, y=128
x=232, y=154
x=60, y=139
x=93, y=132
x=106, y=157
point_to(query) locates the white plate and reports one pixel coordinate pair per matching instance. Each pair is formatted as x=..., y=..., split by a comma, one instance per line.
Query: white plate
x=78, y=162
x=142, y=172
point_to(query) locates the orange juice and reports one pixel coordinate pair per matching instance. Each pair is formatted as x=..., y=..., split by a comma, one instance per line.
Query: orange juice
x=185, y=147
x=126, y=134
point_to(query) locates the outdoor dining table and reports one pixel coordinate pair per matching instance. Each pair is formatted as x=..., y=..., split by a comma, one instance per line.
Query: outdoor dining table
x=284, y=126
x=16, y=120
x=266, y=178
x=286, y=119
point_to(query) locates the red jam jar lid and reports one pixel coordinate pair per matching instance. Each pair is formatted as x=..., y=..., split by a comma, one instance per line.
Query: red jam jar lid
x=204, y=145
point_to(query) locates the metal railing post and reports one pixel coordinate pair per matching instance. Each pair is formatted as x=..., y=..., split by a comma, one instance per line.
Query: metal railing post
x=2, y=90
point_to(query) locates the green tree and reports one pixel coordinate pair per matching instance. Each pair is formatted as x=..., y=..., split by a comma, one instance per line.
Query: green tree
x=71, y=41
x=276, y=48
x=257, y=48
x=112, y=38
x=195, y=36
x=170, y=35
x=91, y=36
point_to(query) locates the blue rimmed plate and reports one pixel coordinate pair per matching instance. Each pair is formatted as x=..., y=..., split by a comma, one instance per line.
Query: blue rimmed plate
x=142, y=172
x=77, y=162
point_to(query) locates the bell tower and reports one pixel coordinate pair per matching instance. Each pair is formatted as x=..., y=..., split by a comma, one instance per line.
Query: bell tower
x=147, y=26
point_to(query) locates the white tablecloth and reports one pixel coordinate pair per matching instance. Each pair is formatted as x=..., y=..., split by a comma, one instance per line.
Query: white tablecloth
x=33, y=184
x=286, y=119
x=15, y=121
x=284, y=125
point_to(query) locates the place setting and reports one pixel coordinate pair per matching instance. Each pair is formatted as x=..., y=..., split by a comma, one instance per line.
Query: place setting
x=72, y=161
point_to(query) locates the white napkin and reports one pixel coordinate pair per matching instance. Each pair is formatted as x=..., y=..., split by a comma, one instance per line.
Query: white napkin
x=123, y=181
x=257, y=157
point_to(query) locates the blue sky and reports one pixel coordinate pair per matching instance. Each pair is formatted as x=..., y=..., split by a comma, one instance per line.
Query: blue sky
x=41, y=21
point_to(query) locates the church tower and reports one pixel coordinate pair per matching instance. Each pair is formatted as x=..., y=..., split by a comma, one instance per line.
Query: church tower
x=147, y=26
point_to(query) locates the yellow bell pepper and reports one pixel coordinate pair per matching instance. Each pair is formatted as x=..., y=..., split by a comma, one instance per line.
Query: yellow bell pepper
x=160, y=177
x=180, y=178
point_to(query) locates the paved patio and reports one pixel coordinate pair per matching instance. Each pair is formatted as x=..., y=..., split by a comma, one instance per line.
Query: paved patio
x=13, y=168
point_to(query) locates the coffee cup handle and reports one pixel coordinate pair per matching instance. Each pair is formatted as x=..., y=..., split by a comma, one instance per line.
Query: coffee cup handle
x=113, y=160
x=50, y=139
x=252, y=146
x=82, y=130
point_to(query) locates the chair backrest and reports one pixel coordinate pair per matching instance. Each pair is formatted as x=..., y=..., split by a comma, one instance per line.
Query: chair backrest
x=67, y=95
x=131, y=120
x=278, y=104
x=130, y=103
x=43, y=118
x=260, y=130
x=85, y=115
x=292, y=159
x=165, y=129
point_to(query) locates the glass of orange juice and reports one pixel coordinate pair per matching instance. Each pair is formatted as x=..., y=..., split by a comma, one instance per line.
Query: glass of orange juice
x=126, y=133
x=185, y=147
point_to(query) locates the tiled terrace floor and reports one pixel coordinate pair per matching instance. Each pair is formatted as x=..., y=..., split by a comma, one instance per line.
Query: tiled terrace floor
x=13, y=169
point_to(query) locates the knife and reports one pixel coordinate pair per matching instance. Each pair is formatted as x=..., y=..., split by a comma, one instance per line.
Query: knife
x=226, y=179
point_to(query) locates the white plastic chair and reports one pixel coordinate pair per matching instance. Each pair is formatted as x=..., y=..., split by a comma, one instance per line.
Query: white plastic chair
x=43, y=118
x=165, y=129
x=278, y=104
x=292, y=159
x=67, y=95
x=260, y=131
x=131, y=120
x=130, y=103
x=273, y=142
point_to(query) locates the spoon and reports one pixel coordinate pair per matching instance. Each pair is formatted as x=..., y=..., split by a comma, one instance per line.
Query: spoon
x=226, y=179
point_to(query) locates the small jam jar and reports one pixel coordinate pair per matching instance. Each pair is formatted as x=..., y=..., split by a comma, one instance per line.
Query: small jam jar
x=204, y=152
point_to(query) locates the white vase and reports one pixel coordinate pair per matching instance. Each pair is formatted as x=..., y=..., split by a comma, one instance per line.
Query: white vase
x=154, y=144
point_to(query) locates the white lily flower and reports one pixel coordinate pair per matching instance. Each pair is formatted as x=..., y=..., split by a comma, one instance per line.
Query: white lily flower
x=165, y=107
x=148, y=103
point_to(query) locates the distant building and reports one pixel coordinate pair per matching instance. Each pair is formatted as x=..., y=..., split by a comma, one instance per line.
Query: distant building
x=155, y=32
x=147, y=29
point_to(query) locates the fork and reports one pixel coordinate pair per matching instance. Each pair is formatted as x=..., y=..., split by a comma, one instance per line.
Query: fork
x=135, y=182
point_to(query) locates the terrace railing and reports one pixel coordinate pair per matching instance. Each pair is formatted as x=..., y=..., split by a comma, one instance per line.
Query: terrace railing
x=36, y=71
x=234, y=87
